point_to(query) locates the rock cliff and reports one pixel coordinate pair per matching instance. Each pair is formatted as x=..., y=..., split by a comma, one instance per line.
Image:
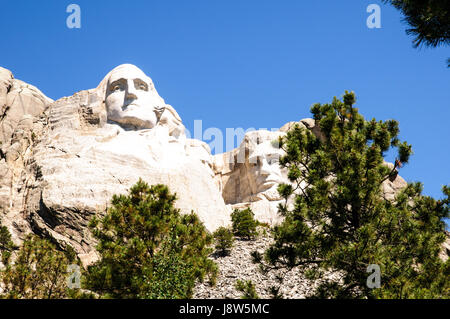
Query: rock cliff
x=61, y=161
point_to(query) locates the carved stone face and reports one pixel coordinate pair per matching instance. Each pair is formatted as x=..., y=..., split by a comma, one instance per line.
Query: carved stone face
x=131, y=99
x=255, y=172
x=262, y=165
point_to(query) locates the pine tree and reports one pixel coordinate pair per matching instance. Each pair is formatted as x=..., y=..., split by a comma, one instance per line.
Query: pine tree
x=247, y=288
x=39, y=271
x=148, y=249
x=429, y=20
x=244, y=223
x=339, y=221
x=6, y=245
x=224, y=240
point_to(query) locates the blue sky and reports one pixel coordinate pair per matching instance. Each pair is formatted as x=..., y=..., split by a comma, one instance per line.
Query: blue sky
x=244, y=63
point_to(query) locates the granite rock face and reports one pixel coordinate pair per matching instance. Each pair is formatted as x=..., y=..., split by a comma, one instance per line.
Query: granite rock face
x=61, y=161
x=445, y=251
x=250, y=174
x=22, y=120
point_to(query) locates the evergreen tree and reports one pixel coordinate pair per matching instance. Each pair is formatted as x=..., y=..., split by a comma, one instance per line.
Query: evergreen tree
x=39, y=271
x=247, y=288
x=339, y=221
x=429, y=20
x=244, y=223
x=6, y=245
x=224, y=240
x=148, y=249
x=169, y=277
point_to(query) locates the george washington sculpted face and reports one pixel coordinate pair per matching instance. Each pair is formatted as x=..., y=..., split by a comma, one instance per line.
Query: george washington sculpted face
x=131, y=99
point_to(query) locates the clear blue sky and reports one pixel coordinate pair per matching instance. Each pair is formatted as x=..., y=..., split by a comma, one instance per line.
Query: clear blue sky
x=244, y=63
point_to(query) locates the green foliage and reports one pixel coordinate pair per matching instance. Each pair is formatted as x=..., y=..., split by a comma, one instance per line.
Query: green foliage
x=39, y=272
x=247, y=288
x=6, y=245
x=224, y=240
x=170, y=276
x=244, y=223
x=148, y=249
x=340, y=221
x=429, y=20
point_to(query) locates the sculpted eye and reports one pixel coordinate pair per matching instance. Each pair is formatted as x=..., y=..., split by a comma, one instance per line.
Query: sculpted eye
x=141, y=86
x=116, y=88
x=273, y=160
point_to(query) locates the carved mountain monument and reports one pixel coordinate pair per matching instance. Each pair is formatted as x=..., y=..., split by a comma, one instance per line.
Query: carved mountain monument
x=61, y=161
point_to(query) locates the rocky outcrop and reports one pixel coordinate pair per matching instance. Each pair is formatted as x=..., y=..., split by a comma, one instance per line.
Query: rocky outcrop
x=61, y=161
x=445, y=251
x=238, y=265
x=22, y=121
x=249, y=175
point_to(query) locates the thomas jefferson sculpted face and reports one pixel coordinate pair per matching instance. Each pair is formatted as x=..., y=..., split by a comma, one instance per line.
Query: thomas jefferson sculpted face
x=256, y=171
x=131, y=99
x=262, y=165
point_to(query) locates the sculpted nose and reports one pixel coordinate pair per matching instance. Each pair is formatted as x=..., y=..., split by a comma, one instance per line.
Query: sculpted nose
x=265, y=167
x=131, y=91
x=131, y=96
